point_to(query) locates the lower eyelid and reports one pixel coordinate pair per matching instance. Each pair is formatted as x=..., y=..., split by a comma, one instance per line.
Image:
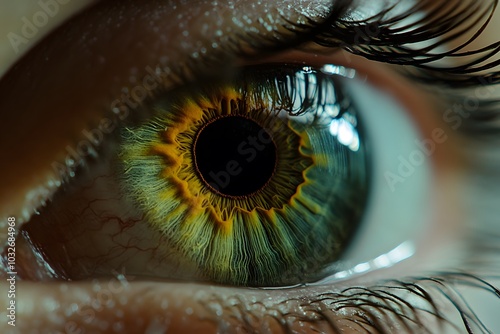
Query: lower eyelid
x=138, y=307
x=117, y=306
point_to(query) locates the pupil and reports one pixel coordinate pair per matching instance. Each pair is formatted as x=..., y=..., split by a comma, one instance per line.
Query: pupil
x=234, y=156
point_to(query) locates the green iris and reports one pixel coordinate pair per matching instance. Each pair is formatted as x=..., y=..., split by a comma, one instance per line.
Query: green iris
x=260, y=180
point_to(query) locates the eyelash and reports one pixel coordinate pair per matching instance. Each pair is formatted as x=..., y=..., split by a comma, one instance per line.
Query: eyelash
x=387, y=40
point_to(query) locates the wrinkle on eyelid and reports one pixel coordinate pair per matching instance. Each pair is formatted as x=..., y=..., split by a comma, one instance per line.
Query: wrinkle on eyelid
x=97, y=55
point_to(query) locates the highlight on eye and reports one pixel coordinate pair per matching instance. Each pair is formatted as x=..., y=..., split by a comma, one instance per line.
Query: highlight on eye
x=260, y=180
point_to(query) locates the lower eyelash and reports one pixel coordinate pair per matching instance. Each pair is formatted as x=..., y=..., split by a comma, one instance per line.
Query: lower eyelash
x=414, y=305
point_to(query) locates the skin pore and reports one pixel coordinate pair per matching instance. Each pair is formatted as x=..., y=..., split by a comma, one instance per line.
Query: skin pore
x=129, y=303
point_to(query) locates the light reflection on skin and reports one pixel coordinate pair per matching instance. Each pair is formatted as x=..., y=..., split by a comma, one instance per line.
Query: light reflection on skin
x=142, y=305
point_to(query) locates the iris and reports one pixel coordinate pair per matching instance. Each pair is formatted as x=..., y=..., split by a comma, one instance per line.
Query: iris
x=245, y=177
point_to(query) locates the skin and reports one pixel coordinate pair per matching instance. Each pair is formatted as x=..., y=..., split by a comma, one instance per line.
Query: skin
x=140, y=305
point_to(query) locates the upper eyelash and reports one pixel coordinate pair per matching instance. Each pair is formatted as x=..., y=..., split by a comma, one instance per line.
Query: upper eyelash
x=389, y=40
x=386, y=38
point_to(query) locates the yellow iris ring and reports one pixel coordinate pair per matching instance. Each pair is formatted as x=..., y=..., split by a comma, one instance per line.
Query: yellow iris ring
x=232, y=240
x=179, y=160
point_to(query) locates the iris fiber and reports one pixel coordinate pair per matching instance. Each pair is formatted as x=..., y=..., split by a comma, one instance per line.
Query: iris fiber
x=288, y=222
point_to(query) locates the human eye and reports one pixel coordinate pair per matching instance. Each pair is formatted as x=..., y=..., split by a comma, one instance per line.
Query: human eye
x=283, y=56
